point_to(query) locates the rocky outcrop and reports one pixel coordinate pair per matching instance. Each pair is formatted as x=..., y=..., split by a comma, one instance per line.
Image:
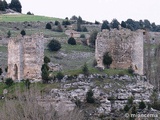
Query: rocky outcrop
x=110, y=95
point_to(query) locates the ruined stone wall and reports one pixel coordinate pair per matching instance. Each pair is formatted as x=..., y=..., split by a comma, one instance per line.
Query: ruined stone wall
x=25, y=57
x=125, y=47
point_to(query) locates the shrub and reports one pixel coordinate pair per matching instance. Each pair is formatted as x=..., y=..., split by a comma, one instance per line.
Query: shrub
x=121, y=74
x=126, y=108
x=45, y=75
x=107, y=59
x=29, y=13
x=9, y=34
x=84, y=29
x=56, y=22
x=27, y=83
x=1, y=71
x=130, y=70
x=59, y=75
x=82, y=36
x=54, y=45
x=92, y=39
x=89, y=97
x=94, y=63
x=9, y=82
x=23, y=33
x=71, y=41
x=142, y=105
x=48, y=26
x=130, y=100
x=85, y=69
x=46, y=59
x=45, y=66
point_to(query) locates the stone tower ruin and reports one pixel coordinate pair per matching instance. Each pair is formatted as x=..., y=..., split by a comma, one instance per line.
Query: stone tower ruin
x=25, y=57
x=125, y=47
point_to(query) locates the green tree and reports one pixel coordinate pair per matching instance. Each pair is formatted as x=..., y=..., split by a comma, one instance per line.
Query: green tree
x=107, y=59
x=56, y=22
x=9, y=34
x=2, y=7
x=48, y=26
x=123, y=24
x=27, y=84
x=115, y=23
x=16, y=5
x=45, y=66
x=79, y=20
x=71, y=41
x=105, y=25
x=89, y=96
x=82, y=36
x=93, y=37
x=54, y=45
x=59, y=75
x=23, y=33
x=85, y=69
x=45, y=75
x=84, y=29
x=9, y=82
x=126, y=108
x=79, y=29
x=5, y=4
x=46, y=60
x=142, y=105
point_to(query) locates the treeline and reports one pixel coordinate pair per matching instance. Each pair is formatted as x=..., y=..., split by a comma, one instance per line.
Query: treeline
x=130, y=24
x=14, y=5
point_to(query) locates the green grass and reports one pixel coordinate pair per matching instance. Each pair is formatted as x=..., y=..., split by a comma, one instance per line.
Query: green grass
x=3, y=49
x=23, y=18
x=78, y=47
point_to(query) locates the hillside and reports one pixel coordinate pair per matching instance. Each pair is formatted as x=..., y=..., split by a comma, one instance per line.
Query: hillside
x=13, y=17
x=112, y=88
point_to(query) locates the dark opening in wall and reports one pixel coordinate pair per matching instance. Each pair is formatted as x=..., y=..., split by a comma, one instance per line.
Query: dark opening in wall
x=144, y=33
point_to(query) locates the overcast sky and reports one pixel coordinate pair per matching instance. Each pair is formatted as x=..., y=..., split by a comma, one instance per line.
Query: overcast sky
x=92, y=10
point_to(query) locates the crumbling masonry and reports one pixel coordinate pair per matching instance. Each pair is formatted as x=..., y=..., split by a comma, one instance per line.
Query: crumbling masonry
x=125, y=47
x=25, y=57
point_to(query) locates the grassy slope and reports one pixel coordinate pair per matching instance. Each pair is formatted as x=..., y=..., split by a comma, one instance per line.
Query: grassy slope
x=23, y=17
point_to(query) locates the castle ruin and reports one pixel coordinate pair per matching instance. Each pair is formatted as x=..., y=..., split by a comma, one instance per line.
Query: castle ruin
x=124, y=46
x=25, y=57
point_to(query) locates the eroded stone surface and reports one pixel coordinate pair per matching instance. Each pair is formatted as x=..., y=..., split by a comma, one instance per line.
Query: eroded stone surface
x=125, y=47
x=25, y=57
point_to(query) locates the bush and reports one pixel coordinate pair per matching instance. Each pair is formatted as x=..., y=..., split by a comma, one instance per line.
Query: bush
x=45, y=66
x=126, y=108
x=23, y=33
x=85, y=69
x=142, y=105
x=107, y=59
x=130, y=70
x=1, y=71
x=29, y=13
x=54, y=45
x=82, y=36
x=9, y=34
x=89, y=97
x=84, y=29
x=94, y=63
x=71, y=41
x=46, y=59
x=56, y=22
x=9, y=82
x=121, y=74
x=45, y=75
x=59, y=75
x=27, y=84
x=92, y=39
x=130, y=100
x=48, y=26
